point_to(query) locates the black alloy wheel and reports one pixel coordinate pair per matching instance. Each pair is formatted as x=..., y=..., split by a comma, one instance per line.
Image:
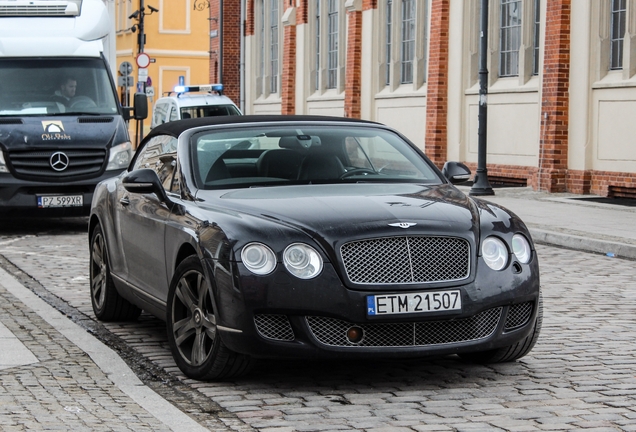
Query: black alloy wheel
x=192, y=333
x=108, y=305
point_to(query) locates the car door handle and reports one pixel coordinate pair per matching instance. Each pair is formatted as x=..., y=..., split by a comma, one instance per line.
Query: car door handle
x=124, y=201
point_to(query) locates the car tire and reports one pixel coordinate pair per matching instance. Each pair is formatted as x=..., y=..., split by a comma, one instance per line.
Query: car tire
x=194, y=340
x=108, y=305
x=512, y=352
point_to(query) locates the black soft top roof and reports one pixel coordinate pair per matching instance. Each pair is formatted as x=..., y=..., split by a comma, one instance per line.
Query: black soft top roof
x=176, y=128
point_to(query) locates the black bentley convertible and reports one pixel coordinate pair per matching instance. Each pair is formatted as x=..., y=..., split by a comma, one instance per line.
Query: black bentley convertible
x=299, y=237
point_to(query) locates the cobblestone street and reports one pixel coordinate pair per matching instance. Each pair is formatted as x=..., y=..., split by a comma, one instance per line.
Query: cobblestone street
x=580, y=375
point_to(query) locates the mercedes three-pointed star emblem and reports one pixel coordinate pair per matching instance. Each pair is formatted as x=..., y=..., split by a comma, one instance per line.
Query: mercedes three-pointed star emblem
x=59, y=161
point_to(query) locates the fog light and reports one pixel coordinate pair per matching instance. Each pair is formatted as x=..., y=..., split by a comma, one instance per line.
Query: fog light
x=355, y=334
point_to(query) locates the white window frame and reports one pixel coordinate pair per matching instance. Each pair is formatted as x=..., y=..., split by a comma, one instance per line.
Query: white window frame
x=510, y=33
x=267, y=83
x=320, y=47
x=526, y=46
x=618, y=24
x=391, y=56
x=603, y=28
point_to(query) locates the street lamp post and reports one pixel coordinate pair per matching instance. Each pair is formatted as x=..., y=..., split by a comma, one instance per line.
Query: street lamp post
x=481, y=185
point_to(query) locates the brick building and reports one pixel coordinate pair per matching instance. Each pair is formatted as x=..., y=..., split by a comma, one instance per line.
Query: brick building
x=562, y=79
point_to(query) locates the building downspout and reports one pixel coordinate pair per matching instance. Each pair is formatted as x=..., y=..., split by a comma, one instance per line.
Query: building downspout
x=242, y=59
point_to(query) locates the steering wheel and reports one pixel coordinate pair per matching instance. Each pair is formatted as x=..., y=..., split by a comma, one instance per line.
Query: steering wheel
x=357, y=171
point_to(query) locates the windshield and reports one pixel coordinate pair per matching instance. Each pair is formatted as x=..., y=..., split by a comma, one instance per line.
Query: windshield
x=32, y=87
x=209, y=111
x=259, y=156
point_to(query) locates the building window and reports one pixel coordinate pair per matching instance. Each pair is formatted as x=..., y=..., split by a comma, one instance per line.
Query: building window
x=318, y=43
x=329, y=55
x=407, y=54
x=404, y=41
x=509, y=37
x=617, y=33
x=268, y=46
x=273, y=45
x=389, y=31
x=536, y=37
x=332, y=54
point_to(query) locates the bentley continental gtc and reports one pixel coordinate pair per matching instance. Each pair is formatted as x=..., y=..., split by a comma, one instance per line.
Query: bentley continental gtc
x=308, y=237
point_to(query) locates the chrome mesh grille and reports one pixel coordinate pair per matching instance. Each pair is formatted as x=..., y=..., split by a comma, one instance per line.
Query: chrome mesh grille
x=518, y=315
x=275, y=327
x=333, y=332
x=401, y=260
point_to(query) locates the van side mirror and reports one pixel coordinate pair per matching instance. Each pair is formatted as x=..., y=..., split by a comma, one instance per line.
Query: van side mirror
x=140, y=110
x=456, y=172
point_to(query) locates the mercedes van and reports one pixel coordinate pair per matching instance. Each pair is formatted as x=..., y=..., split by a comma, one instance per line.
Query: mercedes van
x=62, y=128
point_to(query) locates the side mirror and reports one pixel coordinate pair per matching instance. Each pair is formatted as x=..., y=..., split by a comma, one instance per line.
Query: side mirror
x=140, y=106
x=456, y=172
x=145, y=181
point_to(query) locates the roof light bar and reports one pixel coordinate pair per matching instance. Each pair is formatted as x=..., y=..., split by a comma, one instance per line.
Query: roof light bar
x=199, y=88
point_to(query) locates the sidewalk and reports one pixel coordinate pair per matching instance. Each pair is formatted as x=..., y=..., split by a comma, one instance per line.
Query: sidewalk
x=54, y=375
x=571, y=220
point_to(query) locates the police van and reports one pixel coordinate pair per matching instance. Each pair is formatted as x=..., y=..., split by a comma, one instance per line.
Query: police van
x=193, y=102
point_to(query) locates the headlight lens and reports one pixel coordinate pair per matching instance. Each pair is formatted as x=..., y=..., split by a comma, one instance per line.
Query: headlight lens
x=495, y=253
x=521, y=248
x=119, y=156
x=302, y=261
x=3, y=165
x=258, y=258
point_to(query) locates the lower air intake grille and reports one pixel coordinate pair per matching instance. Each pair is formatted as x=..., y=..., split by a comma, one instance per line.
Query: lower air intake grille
x=518, y=315
x=275, y=327
x=333, y=332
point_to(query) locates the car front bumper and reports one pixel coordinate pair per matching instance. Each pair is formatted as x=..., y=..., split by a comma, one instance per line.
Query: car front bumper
x=281, y=316
x=20, y=197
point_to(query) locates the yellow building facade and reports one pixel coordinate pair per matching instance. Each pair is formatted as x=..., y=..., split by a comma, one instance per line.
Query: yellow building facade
x=177, y=40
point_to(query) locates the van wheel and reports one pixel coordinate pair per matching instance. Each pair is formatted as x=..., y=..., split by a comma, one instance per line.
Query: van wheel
x=108, y=305
x=192, y=334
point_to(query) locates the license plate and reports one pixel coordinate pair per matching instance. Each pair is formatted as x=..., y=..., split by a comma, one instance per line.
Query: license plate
x=47, y=201
x=423, y=302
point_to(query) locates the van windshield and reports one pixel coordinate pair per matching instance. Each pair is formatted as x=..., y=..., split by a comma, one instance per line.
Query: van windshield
x=55, y=86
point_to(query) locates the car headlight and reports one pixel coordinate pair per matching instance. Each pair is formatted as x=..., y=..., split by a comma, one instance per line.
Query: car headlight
x=3, y=165
x=302, y=261
x=521, y=248
x=258, y=258
x=495, y=253
x=119, y=156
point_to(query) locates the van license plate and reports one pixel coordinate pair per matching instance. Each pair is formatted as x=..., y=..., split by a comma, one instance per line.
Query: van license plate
x=48, y=201
x=423, y=302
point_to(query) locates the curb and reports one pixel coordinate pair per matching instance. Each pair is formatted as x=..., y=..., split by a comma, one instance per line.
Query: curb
x=586, y=244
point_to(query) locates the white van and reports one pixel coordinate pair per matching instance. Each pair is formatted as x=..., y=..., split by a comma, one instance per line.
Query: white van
x=62, y=128
x=193, y=102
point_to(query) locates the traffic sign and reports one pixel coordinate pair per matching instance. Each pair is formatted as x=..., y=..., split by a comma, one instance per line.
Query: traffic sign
x=125, y=68
x=143, y=60
x=125, y=81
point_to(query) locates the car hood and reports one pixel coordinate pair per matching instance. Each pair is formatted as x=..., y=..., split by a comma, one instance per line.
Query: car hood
x=342, y=212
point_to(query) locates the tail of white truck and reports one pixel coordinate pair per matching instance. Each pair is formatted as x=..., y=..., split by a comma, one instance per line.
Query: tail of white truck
x=62, y=128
